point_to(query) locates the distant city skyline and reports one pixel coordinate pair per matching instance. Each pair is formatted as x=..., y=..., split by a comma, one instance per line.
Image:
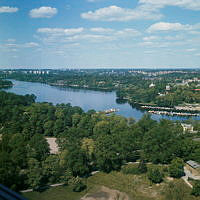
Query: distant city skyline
x=100, y=34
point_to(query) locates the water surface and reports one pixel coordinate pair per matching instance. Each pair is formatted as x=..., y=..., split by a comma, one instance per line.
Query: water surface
x=86, y=99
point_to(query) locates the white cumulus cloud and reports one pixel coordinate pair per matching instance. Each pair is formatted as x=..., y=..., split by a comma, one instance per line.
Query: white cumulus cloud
x=7, y=9
x=191, y=50
x=52, y=36
x=43, y=12
x=146, y=10
x=60, y=31
x=115, y=13
x=31, y=44
x=186, y=4
x=127, y=32
x=101, y=30
x=150, y=38
x=165, y=26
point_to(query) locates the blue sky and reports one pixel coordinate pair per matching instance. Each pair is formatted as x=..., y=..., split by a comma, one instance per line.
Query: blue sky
x=99, y=33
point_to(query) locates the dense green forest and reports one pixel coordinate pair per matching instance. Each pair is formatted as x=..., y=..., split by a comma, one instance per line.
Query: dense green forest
x=88, y=141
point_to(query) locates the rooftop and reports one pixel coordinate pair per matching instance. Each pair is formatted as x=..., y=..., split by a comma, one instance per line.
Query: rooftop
x=186, y=125
x=193, y=164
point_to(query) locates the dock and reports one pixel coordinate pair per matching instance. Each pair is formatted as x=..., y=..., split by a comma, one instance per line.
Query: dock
x=112, y=110
x=173, y=113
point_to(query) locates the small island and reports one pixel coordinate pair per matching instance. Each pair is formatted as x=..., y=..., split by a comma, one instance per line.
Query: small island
x=5, y=84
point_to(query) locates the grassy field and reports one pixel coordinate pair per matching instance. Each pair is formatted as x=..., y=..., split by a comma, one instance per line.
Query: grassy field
x=137, y=187
x=55, y=193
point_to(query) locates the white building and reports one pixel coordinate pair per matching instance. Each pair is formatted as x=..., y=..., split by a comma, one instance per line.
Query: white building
x=152, y=85
x=187, y=128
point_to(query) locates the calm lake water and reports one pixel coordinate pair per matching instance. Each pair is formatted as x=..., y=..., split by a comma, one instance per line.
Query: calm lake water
x=86, y=99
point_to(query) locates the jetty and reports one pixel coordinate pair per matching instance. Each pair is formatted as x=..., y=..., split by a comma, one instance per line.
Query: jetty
x=173, y=113
x=156, y=107
x=112, y=110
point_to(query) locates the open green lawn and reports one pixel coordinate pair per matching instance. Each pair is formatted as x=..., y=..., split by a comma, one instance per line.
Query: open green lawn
x=138, y=187
x=55, y=193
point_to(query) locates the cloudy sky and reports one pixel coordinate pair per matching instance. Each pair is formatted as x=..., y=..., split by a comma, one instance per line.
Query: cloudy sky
x=99, y=33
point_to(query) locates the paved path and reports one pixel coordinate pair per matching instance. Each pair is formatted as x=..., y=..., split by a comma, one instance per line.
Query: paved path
x=53, y=185
x=188, y=174
x=24, y=191
x=185, y=178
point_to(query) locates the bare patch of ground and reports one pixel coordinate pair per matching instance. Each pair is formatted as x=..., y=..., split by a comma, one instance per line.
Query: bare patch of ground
x=52, y=145
x=169, y=178
x=106, y=194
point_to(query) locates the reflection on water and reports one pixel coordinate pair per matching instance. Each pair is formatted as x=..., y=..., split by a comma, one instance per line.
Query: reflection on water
x=86, y=99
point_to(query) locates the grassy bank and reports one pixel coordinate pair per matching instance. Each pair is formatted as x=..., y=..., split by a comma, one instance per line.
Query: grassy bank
x=137, y=187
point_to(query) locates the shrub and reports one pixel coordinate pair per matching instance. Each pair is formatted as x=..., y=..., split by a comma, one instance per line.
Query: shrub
x=176, y=169
x=155, y=175
x=66, y=177
x=76, y=184
x=130, y=169
x=196, y=189
x=135, y=169
x=165, y=169
x=142, y=167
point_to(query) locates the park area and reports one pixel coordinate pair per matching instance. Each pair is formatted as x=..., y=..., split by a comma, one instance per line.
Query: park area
x=117, y=186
